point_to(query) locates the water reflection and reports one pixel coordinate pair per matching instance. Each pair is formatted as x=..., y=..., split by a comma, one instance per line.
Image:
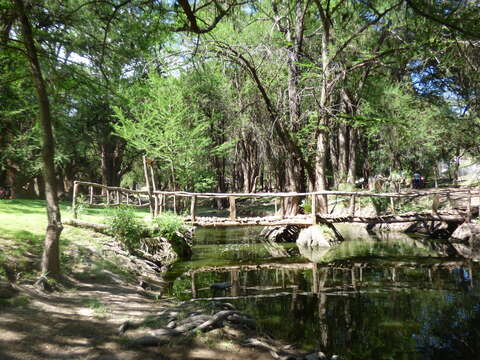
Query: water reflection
x=371, y=299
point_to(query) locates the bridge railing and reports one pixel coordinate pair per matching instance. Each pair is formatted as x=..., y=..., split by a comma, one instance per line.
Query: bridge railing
x=157, y=200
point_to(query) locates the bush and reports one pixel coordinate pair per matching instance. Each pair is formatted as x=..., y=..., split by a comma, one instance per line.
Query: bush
x=126, y=228
x=168, y=224
x=173, y=228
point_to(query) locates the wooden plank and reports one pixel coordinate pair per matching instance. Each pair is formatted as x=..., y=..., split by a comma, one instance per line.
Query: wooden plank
x=304, y=220
x=233, y=208
x=192, y=207
x=74, y=200
x=90, y=189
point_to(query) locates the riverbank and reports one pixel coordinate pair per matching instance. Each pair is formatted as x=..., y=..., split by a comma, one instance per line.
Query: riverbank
x=103, y=288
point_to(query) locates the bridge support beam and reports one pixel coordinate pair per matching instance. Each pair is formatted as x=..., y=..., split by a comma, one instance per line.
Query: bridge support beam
x=193, y=204
x=233, y=208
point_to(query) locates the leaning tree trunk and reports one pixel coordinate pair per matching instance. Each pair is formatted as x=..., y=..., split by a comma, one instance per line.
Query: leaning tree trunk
x=51, y=252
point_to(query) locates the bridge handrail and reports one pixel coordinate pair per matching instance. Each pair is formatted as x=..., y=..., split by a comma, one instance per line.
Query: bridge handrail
x=412, y=194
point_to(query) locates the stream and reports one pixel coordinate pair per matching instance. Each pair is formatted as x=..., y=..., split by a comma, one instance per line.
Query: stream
x=381, y=296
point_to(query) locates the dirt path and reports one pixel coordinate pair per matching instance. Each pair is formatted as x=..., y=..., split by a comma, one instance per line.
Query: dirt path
x=83, y=322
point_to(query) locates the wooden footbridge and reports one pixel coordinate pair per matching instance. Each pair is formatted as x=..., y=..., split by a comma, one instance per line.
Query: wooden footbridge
x=462, y=204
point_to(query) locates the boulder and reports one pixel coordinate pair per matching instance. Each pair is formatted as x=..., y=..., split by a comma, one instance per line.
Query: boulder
x=466, y=241
x=317, y=235
x=287, y=233
x=315, y=254
x=466, y=231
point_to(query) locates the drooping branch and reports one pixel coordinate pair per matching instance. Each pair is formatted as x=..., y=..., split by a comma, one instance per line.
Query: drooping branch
x=192, y=24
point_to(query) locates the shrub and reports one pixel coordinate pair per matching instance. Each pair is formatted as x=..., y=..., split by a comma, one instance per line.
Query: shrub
x=173, y=228
x=306, y=205
x=168, y=224
x=126, y=228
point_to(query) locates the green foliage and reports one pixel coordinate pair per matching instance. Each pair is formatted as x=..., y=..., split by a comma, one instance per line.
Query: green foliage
x=168, y=224
x=306, y=205
x=381, y=204
x=81, y=204
x=126, y=228
x=173, y=228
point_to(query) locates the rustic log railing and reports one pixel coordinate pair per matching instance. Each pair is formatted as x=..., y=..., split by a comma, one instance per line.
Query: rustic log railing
x=157, y=200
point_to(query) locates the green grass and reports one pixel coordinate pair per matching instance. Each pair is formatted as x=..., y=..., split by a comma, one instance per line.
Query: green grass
x=22, y=232
x=100, y=309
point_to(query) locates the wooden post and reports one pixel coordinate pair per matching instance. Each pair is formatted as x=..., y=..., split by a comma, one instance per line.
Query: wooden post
x=108, y=197
x=469, y=207
x=233, y=208
x=139, y=200
x=128, y=198
x=435, y=203
x=160, y=203
x=149, y=187
x=276, y=206
x=90, y=189
x=282, y=208
x=314, y=209
x=193, y=203
x=74, y=200
x=118, y=197
x=194, y=288
x=174, y=204
x=353, y=199
x=392, y=205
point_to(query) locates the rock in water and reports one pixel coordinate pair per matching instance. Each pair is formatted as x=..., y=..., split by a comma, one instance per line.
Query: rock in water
x=287, y=233
x=466, y=241
x=220, y=286
x=317, y=235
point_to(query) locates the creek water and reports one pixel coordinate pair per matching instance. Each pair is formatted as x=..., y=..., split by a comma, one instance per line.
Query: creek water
x=386, y=296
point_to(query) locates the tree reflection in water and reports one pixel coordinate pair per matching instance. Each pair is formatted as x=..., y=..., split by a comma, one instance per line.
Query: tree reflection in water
x=378, y=298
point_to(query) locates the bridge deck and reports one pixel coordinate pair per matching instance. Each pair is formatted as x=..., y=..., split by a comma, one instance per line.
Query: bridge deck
x=456, y=216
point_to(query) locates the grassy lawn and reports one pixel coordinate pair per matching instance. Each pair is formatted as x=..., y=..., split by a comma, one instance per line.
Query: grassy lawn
x=22, y=232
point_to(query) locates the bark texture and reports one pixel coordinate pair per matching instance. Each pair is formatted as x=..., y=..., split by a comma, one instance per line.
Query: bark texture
x=51, y=252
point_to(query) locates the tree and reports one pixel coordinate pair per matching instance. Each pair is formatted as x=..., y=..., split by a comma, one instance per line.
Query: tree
x=51, y=256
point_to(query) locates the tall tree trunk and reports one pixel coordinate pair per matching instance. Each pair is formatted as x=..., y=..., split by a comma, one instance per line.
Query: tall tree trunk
x=294, y=170
x=322, y=135
x=352, y=162
x=112, y=152
x=51, y=252
x=343, y=152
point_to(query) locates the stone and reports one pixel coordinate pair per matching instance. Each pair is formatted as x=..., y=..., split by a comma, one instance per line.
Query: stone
x=7, y=290
x=465, y=232
x=317, y=235
x=149, y=340
x=164, y=333
x=172, y=324
x=466, y=241
x=318, y=355
x=314, y=253
x=220, y=286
